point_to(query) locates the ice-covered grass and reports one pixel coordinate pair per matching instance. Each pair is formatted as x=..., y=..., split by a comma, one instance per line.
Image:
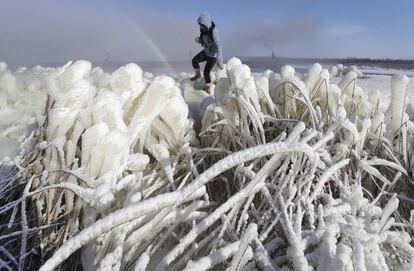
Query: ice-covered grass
x=277, y=172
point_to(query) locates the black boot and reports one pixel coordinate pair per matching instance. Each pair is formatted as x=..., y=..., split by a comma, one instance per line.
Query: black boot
x=207, y=88
x=197, y=75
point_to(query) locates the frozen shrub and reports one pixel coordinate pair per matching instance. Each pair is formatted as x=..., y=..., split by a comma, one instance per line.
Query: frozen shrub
x=284, y=174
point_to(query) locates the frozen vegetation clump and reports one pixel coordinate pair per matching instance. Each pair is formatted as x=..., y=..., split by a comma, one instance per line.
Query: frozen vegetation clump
x=339, y=70
x=21, y=95
x=287, y=172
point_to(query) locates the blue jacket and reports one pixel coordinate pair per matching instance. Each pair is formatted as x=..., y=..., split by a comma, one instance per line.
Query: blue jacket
x=211, y=42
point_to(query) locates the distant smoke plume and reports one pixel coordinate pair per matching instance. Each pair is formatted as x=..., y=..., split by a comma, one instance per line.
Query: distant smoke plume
x=272, y=36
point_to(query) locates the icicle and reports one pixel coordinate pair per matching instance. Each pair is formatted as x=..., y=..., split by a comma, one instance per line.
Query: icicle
x=399, y=85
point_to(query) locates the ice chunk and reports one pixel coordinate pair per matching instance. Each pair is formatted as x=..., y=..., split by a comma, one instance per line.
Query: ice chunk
x=74, y=72
x=137, y=162
x=128, y=78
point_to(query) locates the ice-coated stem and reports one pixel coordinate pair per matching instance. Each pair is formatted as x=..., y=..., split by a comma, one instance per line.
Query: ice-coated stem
x=214, y=258
x=156, y=203
x=25, y=227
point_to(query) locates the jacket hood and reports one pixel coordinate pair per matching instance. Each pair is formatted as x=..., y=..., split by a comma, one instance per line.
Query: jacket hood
x=205, y=19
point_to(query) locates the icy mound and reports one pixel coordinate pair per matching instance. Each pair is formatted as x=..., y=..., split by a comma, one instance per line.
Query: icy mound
x=21, y=94
x=286, y=173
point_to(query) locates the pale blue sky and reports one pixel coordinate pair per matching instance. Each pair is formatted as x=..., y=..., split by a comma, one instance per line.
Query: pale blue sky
x=47, y=30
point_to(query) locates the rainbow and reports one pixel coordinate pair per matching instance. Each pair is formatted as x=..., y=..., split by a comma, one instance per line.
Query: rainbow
x=152, y=44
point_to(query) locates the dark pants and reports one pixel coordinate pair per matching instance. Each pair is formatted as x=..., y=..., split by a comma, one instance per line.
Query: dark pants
x=211, y=61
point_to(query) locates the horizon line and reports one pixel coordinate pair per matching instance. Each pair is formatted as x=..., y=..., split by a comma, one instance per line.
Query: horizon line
x=186, y=60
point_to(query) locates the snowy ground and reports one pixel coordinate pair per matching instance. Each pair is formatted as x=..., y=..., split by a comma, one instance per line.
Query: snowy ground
x=382, y=83
x=377, y=79
x=380, y=80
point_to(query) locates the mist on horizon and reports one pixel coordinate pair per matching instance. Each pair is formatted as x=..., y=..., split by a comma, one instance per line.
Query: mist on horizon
x=52, y=32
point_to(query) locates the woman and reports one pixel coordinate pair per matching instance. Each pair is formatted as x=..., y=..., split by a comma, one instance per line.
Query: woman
x=212, y=52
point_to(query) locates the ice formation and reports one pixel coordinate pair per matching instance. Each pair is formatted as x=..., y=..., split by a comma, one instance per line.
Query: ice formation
x=286, y=172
